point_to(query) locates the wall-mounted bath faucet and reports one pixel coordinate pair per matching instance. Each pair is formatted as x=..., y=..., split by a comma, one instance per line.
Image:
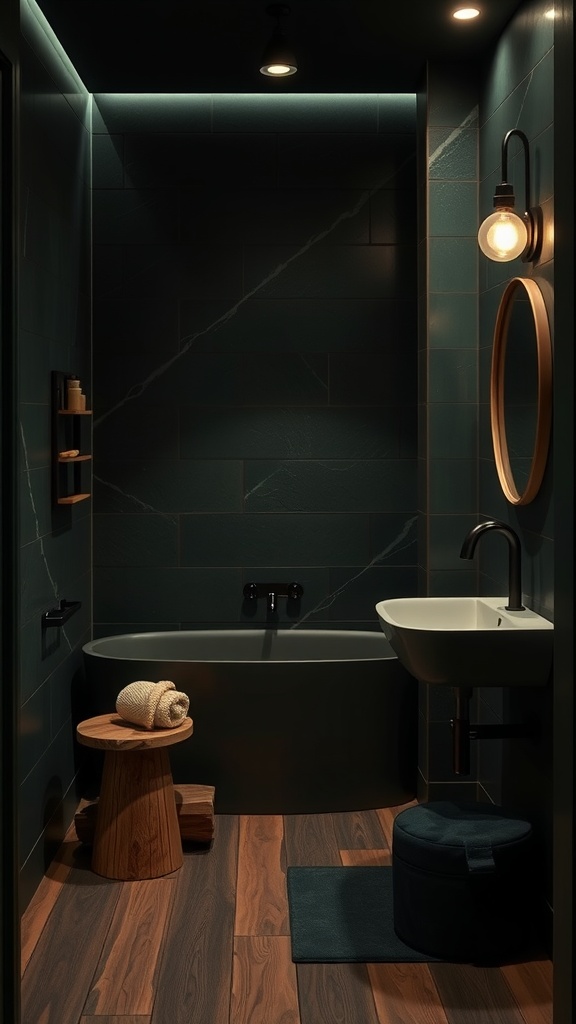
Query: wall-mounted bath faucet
x=514, y=557
x=272, y=591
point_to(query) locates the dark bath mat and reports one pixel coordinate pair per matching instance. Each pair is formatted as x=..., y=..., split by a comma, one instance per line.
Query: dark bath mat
x=345, y=915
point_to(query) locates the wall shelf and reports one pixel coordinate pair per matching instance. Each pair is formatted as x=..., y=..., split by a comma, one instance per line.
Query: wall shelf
x=69, y=433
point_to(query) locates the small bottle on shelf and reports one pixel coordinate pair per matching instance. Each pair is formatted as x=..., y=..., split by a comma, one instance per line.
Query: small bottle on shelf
x=73, y=393
x=75, y=400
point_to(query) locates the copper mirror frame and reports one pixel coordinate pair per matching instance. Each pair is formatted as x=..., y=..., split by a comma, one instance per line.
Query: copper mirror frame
x=544, y=391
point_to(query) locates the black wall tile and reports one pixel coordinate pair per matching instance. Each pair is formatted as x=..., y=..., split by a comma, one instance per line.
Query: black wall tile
x=328, y=486
x=266, y=216
x=164, y=595
x=133, y=539
x=362, y=271
x=315, y=114
x=344, y=160
x=283, y=432
x=270, y=325
x=199, y=161
x=263, y=335
x=170, y=486
x=319, y=539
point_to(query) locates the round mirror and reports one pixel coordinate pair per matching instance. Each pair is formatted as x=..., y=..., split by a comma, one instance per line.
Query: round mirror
x=521, y=390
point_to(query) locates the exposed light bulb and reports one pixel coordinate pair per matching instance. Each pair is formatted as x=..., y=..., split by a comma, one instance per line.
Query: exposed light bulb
x=503, y=236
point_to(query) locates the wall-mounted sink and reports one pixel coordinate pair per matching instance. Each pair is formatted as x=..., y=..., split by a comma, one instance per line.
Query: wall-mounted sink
x=468, y=641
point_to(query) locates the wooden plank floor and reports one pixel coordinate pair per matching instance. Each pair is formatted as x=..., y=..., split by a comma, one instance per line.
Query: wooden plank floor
x=210, y=943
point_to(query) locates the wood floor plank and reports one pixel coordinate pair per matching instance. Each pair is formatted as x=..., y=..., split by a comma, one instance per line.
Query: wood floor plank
x=531, y=985
x=73, y=944
x=310, y=840
x=475, y=995
x=131, y=1018
x=194, y=982
x=264, y=987
x=360, y=830
x=405, y=994
x=42, y=904
x=386, y=817
x=58, y=977
x=335, y=992
x=366, y=858
x=125, y=978
x=261, y=901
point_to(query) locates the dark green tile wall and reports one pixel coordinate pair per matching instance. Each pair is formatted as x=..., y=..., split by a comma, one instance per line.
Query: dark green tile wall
x=255, y=356
x=518, y=93
x=54, y=333
x=448, y=378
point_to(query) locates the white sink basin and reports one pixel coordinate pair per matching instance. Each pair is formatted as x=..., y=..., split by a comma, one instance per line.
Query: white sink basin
x=468, y=641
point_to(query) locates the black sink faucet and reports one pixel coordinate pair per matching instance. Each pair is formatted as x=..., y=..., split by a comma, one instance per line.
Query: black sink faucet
x=514, y=557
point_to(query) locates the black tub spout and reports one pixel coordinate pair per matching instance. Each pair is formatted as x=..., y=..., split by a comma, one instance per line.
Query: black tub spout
x=272, y=591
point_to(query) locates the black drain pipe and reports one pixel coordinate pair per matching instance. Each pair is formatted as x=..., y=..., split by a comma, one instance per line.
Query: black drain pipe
x=463, y=732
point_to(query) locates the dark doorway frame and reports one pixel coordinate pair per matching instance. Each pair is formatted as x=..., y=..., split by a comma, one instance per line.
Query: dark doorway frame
x=9, y=870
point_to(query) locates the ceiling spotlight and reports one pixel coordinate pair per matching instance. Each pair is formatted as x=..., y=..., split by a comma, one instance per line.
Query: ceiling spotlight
x=465, y=13
x=506, y=235
x=278, y=60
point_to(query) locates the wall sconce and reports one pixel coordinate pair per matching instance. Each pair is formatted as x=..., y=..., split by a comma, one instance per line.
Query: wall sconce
x=506, y=235
x=278, y=61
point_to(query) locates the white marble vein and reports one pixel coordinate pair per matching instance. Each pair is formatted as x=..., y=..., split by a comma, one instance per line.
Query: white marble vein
x=451, y=139
x=264, y=483
x=323, y=383
x=525, y=97
x=399, y=543
x=331, y=465
x=169, y=516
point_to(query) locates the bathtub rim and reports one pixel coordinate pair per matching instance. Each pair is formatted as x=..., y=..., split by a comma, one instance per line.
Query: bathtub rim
x=387, y=654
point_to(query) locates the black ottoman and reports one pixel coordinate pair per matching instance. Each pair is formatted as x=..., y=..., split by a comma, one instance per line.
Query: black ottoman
x=463, y=881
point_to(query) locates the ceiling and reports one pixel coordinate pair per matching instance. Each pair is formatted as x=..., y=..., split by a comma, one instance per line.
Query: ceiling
x=143, y=46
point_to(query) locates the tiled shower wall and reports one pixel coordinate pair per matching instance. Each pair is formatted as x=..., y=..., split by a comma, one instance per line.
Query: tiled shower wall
x=255, y=357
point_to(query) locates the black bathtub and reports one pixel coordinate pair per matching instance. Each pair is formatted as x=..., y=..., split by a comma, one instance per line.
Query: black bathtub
x=285, y=721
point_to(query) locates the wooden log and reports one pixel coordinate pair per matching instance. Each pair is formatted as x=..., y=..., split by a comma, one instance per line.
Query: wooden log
x=194, y=806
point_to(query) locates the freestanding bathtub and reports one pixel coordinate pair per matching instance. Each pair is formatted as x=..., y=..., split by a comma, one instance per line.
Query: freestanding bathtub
x=285, y=721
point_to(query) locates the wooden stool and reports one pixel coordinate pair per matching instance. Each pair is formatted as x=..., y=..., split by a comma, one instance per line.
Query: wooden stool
x=137, y=833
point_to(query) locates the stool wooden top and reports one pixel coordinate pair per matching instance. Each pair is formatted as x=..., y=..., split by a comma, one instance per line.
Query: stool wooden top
x=111, y=732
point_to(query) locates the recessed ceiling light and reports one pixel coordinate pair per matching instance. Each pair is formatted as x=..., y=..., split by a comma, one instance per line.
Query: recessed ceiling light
x=466, y=13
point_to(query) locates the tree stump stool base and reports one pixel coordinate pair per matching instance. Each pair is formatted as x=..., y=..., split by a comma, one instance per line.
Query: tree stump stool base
x=136, y=834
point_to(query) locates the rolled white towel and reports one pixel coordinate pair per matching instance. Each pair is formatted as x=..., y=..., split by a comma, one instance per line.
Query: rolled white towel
x=158, y=705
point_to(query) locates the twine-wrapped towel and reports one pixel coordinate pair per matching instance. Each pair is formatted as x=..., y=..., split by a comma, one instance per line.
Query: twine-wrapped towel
x=158, y=705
